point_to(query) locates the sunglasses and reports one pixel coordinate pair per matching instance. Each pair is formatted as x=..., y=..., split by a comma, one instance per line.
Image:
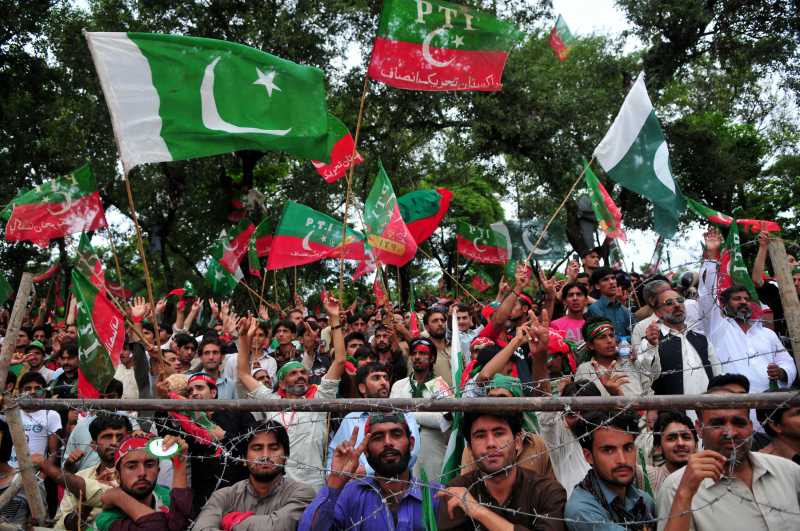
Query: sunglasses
x=672, y=302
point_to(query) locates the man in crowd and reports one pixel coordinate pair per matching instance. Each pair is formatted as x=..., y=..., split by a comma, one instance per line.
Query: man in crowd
x=41, y=426
x=783, y=426
x=744, y=346
x=726, y=486
x=34, y=359
x=574, y=297
x=646, y=314
x=66, y=384
x=435, y=322
x=607, y=497
x=139, y=503
x=613, y=374
x=675, y=438
x=391, y=499
x=284, y=332
x=500, y=493
x=607, y=306
x=590, y=260
x=187, y=349
x=211, y=364
x=307, y=430
x=266, y=499
x=389, y=354
x=433, y=427
x=676, y=360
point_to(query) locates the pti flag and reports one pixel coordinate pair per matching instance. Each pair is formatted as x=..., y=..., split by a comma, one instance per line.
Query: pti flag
x=715, y=216
x=634, y=153
x=56, y=208
x=433, y=45
x=220, y=280
x=234, y=249
x=174, y=98
x=481, y=281
x=342, y=152
x=488, y=246
x=387, y=234
x=561, y=39
x=609, y=218
x=732, y=269
x=101, y=334
x=423, y=210
x=304, y=236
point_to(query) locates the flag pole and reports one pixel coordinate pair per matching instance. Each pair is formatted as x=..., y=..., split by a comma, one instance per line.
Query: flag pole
x=252, y=292
x=349, y=190
x=116, y=257
x=275, y=285
x=451, y=276
x=263, y=284
x=553, y=217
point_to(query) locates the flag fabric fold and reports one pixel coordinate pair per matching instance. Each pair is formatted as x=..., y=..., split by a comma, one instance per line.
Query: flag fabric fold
x=234, y=250
x=487, y=246
x=481, y=281
x=435, y=45
x=173, y=97
x=56, y=208
x=608, y=215
x=423, y=210
x=387, y=233
x=219, y=279
x=732, y=269
x=342, y=153
x=752, y=226
x=561, y=39
x=634, y=153
x=451, y=466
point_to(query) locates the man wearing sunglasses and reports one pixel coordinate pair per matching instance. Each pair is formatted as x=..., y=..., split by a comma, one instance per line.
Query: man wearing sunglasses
x=683, y=361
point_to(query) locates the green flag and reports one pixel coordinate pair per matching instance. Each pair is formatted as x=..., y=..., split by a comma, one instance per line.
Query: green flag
x=221, y=282
x=634, y=153
x=174, y=98
x=428, y=513
x=5, y=289
x=732, y=269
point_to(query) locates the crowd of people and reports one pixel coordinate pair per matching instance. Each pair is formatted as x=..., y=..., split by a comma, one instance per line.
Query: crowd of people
x=595, y=332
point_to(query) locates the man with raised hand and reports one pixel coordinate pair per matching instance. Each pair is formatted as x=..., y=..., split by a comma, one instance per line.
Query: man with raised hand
x=307, y=430
x=266, y=499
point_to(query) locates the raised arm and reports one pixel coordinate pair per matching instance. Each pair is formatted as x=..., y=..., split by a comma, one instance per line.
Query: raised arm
x=499, y=361
x=247, y=328
x=521, y=280
x=333, y=309
x=761, y=259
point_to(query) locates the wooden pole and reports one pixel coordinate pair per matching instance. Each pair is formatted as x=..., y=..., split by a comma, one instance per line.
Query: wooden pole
x=789, y=300
x=13, y=417
x=116, y=257
x=264, y=274
x=660, y=402
x=451, y=276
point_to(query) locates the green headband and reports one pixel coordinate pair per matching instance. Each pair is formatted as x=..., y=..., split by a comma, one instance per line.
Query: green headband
x=288, y=366
x=598, y=329
x=510, y=383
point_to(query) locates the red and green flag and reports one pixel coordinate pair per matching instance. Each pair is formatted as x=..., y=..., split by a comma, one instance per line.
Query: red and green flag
x=423, y=211
x=219, y=279
x=752, y=226
x=608, y=215
x=56, y=208
x=342, y=149
x=51, y=271
x=181, y=296
x=434, y=45
x=260, y=244
x=378, y=291
x=561, y=39
x=305, y=236
x=88, y=263
x=367, y=265
x=101, y=335
x=487, y=246
x=235, y=248
x=481, y=281
x=732, y=269
x=387, y=234
x=5, y=289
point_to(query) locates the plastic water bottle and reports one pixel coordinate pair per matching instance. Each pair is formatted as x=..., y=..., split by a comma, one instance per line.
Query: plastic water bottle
x=624, y=348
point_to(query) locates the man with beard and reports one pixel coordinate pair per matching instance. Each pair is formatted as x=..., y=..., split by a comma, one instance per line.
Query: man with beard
x=607, y=497
x=612, y=373
x=435, y=322
x=138, y=504
x=372, y=381
x=307, y=430
x=266, y=499
x=727, y=486
x=675, y=437
x=392, y=499
x=433, y=427
x=500, y=494
x=744, y=346
x=389, y=354
x=679, y=361
x=66, y=384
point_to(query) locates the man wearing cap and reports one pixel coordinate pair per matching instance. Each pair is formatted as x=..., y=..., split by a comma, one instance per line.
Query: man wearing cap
x=211, y=449
x=608, y=306
x=590, y=260
x=307, y=430
x=34, y=359
x=613, y=374
x=433, y=427
x=266, y=499
x=391, y=499
x=139, y=504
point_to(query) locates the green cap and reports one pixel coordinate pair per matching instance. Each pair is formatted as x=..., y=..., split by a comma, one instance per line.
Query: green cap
x=510, y=383
x=288, y=366
x=34, y=344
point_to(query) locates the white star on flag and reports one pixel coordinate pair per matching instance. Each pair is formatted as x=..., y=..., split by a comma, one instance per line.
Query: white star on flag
x=267, y=80
x=458, y=41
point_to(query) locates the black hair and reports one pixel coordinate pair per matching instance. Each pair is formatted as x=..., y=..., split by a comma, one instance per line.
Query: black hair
x=768, y=417
x=26, y=330
x=364, y=351
x=423, y=341
x=461, y=307
x=571, y=285
x=114, y=386
x=584, y=430
x=590, y=323
x=285, y=323
x=181, y=340
x=582, y=274
x=11, y=379
x=430, y=312
x=149, y=327
x=665, y=418
x=354, y=335
x=726, y=294
x=355, y=317
x=70, y=349
x=6, y=444
x=272, y=426
x=210, y=340
x=514, y=421
x=368, y=368
x=599, y=274
x=380, y=327
x=43, y=328
x=723, y=380
x=32, y=376
x=581, y=388
x=106, y=421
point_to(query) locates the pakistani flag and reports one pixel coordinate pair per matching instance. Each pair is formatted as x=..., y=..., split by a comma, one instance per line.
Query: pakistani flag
x=451, y=466
x=174, y=98
x=634, y=153
x=221, y=282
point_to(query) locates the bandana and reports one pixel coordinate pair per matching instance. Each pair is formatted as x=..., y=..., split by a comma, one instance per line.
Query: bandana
x=382, y=417
x=480, y=342
x=488, y=310
x=288, y=366
x=501, y=381
x=203, y=377
x=421, y=348
x=130, y=444
x=527, y=300
x=598, y=329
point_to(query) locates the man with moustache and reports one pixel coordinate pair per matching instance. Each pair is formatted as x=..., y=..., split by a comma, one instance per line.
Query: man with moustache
x=266, y=499
x=744, y=346
x=138, y=504
x=727, y=486
x=391, y=499
x=674, y=435
x=500, y=494
x=384, y=345
x=607, y=499
x=435, y=321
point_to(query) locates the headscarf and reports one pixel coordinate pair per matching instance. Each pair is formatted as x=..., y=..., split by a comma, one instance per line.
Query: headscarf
x=203, y=377
x=597, y=329
x=288, y=366
x=129, y=444
x=514, y=385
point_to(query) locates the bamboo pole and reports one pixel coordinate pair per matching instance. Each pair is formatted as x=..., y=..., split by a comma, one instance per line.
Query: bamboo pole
x=720, y=401
x=461, y=286
x=789, y=300
x=14, y=325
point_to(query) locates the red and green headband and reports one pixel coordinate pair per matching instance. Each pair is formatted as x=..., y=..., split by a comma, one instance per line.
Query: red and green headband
x=596, y=330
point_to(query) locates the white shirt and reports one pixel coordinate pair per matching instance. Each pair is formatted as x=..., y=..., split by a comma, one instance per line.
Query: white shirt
x=566, y=454
x=741, y=352
x=38, y=426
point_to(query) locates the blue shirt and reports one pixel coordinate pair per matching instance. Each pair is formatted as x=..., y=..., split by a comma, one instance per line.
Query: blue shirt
x=351, y=420
x=588, y=511
x=615, y=312
x=358, y=506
